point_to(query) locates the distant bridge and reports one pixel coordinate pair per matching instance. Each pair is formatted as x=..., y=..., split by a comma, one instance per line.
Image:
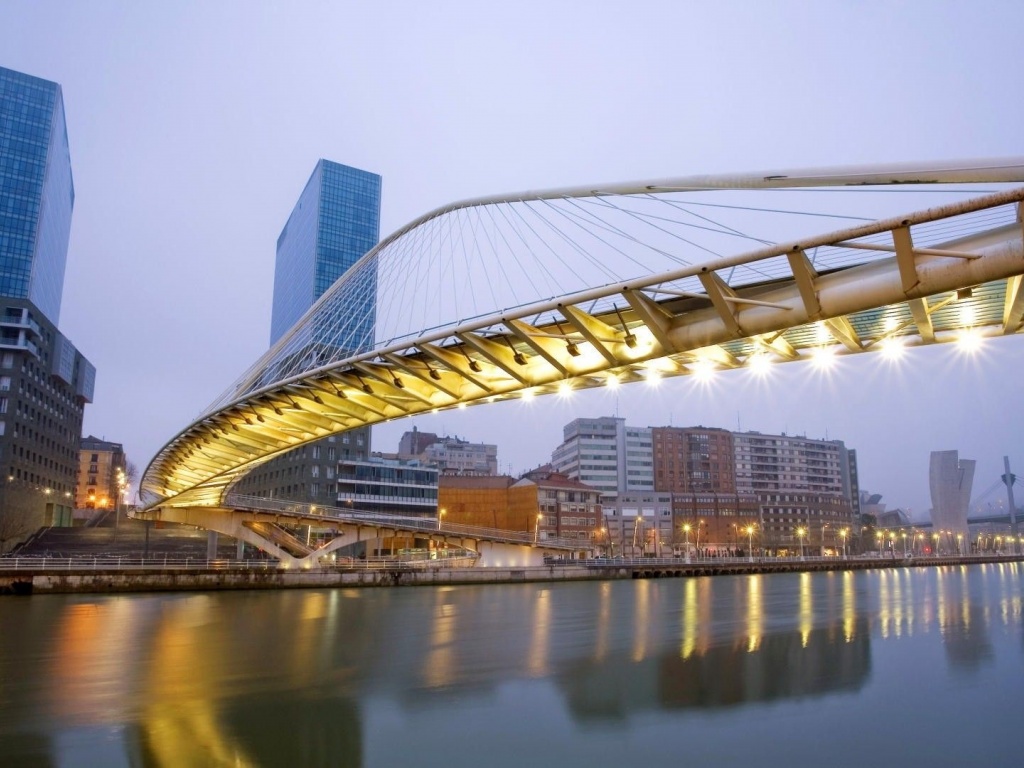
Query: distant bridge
x=514, y=296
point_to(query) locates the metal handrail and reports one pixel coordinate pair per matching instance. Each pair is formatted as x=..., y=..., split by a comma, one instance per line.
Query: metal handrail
x=53, y=564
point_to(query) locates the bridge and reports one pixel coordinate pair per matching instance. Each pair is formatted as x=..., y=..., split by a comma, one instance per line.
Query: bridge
x=535, y=293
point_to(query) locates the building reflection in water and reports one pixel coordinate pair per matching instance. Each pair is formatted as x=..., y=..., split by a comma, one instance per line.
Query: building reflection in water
x=285, y=677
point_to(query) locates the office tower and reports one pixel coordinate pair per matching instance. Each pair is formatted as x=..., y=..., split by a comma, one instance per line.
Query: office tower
x=44, y=381
x=950, y=480
x=606, y=454
x=334, y=223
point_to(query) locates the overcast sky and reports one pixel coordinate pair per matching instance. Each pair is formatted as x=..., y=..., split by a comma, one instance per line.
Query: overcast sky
x=194, y=125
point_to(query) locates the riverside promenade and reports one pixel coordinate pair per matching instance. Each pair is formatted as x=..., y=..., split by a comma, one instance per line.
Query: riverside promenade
x=39, y=576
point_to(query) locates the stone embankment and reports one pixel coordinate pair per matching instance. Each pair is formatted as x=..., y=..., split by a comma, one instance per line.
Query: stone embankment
x=28, y=579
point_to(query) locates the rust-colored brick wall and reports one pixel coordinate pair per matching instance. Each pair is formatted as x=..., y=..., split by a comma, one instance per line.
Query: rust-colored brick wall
x=491, y=502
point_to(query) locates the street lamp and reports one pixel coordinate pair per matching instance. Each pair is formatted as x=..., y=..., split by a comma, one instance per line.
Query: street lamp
x=440, y=516
x=800, y=533
x=686, y=533
x=842, y=535
x=750, y=542
x=881, y=537
x=536, y=528
x=697, y=545
x=904, y=535
x=823, y=527
x=959, y=541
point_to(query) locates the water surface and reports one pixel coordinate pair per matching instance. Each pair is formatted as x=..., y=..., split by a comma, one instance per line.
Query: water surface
x=891, y=667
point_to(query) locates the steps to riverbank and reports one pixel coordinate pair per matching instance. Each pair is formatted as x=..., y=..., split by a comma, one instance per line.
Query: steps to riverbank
x=25, y=576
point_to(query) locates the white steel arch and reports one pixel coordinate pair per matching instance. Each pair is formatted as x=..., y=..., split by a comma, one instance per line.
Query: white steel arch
x=651, y=290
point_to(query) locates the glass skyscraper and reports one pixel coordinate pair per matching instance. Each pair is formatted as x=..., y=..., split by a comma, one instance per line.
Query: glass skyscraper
x=37, y=191
x=334, y=223
x=44, y=381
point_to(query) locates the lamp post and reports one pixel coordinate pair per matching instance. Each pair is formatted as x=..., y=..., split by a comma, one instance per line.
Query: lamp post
x=904, y=535
x=823, y=527
x=800, y=533
x=536, y=528
x=935, y=544
x=842, y=535
x=602, y=533
x=440, y=516
x=881, y=537
x=750, y=542
x=959, y=542
x=697, y=544
x=686, y=534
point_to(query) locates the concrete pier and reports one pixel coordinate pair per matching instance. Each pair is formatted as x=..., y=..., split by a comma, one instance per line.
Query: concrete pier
x=27, y=580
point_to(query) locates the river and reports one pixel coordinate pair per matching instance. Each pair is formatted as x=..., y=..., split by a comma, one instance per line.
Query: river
x=916, y=666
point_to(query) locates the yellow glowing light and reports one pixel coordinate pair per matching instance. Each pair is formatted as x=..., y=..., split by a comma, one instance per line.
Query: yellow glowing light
x=703, y=369
x=967, y=315
x=612, y=382
x=760, y=364
x=653, y=377
x=824, y=336
x=527, y=394
x=462, y=406
x=969, y=341
x=823, y=357
x=892, y=349
x=564, y=388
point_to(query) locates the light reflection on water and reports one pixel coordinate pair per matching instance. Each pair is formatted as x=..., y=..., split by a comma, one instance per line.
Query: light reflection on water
x=924, y=664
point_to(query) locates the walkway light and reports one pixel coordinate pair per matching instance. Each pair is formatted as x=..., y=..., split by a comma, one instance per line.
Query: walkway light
x=969, y=341
x=440, y=515
x=703, y=370
x=892, y=349
x=686, y=533
x=842, y=535
x=750, y=542
x=800, y=533
x=823, y=357
x=760, y=363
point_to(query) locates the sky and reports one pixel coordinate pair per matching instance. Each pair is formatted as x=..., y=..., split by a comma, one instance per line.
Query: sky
x=194, y=126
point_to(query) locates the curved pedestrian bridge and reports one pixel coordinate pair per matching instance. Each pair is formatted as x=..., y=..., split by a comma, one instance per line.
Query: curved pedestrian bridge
x=517, y=296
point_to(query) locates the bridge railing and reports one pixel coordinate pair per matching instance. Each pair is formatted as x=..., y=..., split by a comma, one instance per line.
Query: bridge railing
x=80, y=564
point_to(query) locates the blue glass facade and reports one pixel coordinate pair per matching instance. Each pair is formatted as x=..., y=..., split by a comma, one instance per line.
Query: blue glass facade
x=37, y=192
x=335, y=222
x=44, y=381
